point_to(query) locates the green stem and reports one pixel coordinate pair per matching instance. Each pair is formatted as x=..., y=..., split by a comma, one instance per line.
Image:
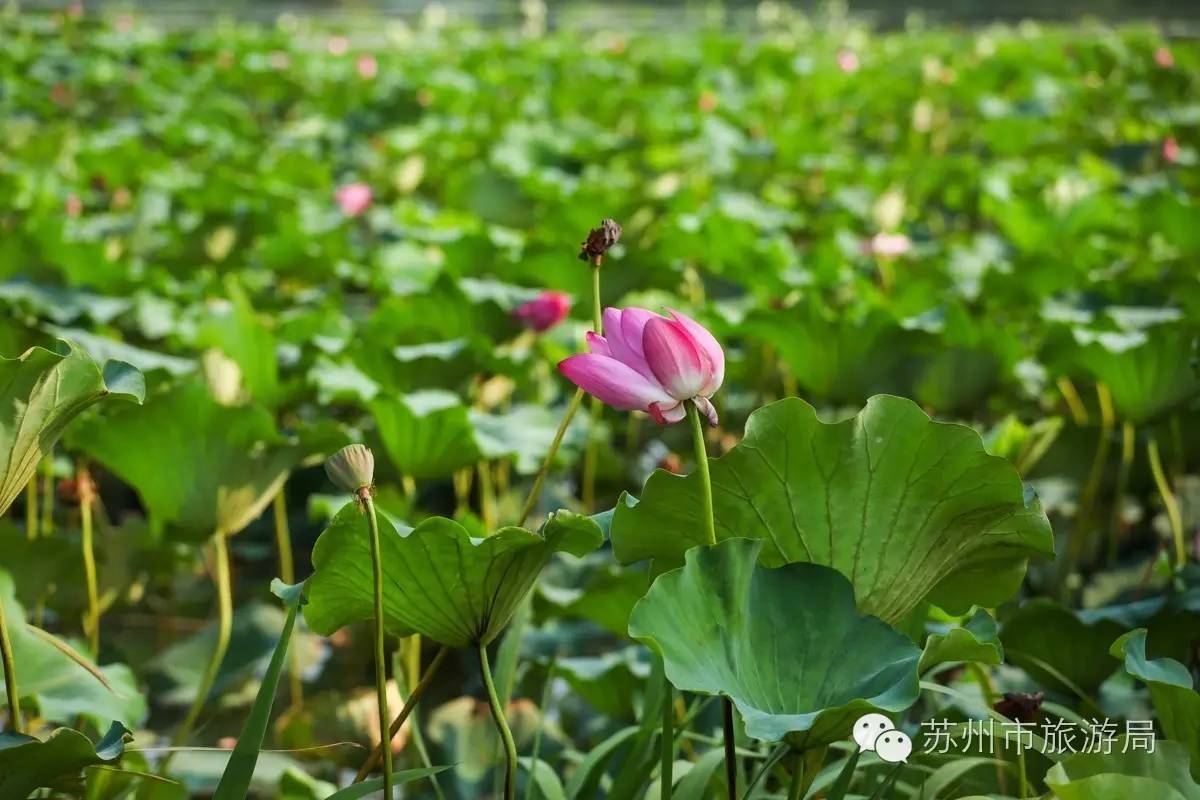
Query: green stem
x=224, y=630
x=548, y=461
x=531, y=788
x=287, y=573
x=510, y=746
x=380, y=657
x=48, y=494
x=487, y=497
x=710, y=527
x=731, y=763
x=1128, y=451
x=1169, y=501
x=989, y=698
x=667, y=744
x=1023, y=792
x=83, y=483
x=31, y=508
x=591, y=455
x=796, y=791
x=10, y=674
x=409, y=706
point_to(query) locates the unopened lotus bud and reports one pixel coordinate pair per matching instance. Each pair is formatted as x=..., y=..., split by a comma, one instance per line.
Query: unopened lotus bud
x=352, y=468
x=223, y=376
x=600, y=240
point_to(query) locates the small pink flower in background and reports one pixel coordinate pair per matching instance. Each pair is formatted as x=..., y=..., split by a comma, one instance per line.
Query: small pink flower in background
x=337, y=45
x=646, y=362
x=847, y=61
x=353, y=198
x=367, y=66
x=1170, y=150
x=279, y=60
x=1164, y=58
x=73, y=205
x=544, y=311
x=888, y=245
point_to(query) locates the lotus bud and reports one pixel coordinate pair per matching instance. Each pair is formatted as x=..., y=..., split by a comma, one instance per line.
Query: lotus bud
x=223, y=376
x=352, y=469
x=599, y=241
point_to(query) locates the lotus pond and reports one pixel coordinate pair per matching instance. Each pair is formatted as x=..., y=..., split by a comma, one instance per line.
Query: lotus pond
x=783, y=411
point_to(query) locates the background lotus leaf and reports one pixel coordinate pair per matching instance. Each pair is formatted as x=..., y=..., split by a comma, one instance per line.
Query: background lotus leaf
x=786, y=645
x=28, y=764
x=439, y=580
x=907, y=508
x=44, y=390
x=201, y=468
x=1162, y=775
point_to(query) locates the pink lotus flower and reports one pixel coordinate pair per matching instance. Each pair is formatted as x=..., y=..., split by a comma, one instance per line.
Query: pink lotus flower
x=544, y=311
x=367, y=66
x=650, y=363
x=1164, y=58
x=353, y=198
x=847, y=61
x=1170, y=150
x=888, y=245
x=73, y=206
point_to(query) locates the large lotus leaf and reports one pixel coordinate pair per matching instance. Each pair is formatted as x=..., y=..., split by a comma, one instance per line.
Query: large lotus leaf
x=201, y=468
x=1057, y=648
x=438, y=580
x=1162, y=775
x=907, y=508
x=977, y=640
x=1170, y=684
x=28, y=764
x=1149, y=372
x=63, y=688
x=427, y=434
x=41, y=391
x=238, y=331
x=786, y=645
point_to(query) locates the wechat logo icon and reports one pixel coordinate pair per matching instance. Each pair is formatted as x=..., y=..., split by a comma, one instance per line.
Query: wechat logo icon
x=876, y=733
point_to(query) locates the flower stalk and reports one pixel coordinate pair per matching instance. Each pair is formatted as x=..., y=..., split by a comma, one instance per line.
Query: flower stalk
x=510, y=745
x=405, y=712
x=87, y=497
x=287, y=573
x=368, y=505
x=224, y=584
x=10, y=675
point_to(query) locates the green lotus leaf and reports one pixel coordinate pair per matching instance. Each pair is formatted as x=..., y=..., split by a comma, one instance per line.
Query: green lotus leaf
x=66, y=686
x=1162, y=775
x=241, y=334
x=1148, y=372
x=427, y=434
x=1057, y=648
x=978, y=640
x=439, y=581
x=201, y=468
x=907, y=508
x=1170, y=684
x=42, y=392
x=786, y=645
x=28, y=764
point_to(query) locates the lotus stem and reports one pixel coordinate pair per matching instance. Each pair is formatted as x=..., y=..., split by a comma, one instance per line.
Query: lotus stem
x=796, y=790
x=31, y=508
x=1084, y=517
x=47, y=495
x=536, y=491
x=731, y=762
x=83, y=483
x=487, y=496
x=510, y=746
x=1169, y=502
x=10, y=674
x=1128, y=451
x=1074, y=401
x=224, y=630
x=667, y=745
x=385, y=743
x=710, y=527
x=287, y=573
x=531, y=788
x=409, y=705
x=591, y=454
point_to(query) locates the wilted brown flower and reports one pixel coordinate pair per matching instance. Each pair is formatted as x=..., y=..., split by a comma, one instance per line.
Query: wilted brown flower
x=599, y=240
